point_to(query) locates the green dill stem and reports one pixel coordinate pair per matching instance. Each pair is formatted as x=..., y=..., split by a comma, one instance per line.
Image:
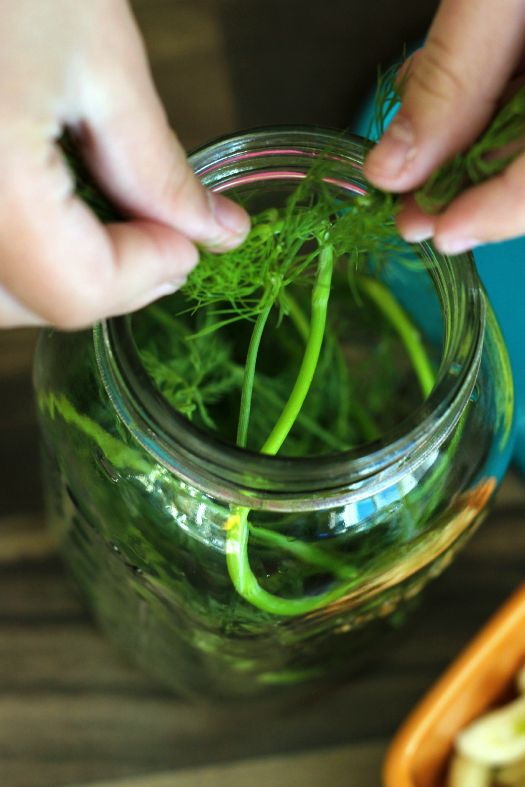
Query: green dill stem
x=246, y=584
x=433, y=489
x=364, y=421
x=265, y=392
x=249, y=374
x=309, y=553
x=320, y=296
x=239, y=568
x=296, y=314
x=351, y=407
x=165, y=319
x=237, y=527
x=117, y=452
x=407, y=332
x=369, y=429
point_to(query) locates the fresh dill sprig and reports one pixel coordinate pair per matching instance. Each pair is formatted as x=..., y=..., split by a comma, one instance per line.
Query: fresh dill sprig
x=278, y=251
x=387, y=98
x=84, y=184
x=282, y=282
x=191, y=375
x=242, y=283
x=303, y=241
x=496, y=148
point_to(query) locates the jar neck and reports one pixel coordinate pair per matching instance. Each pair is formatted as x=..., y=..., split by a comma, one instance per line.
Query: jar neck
x=242, y=477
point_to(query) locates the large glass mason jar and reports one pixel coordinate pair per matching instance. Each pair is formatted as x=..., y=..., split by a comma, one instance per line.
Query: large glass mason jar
x=149, y=508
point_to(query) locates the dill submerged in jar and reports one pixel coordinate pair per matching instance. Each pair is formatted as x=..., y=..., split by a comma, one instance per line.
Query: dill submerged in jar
x=251, y=479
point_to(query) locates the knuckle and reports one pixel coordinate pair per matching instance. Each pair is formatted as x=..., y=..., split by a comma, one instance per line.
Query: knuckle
x=437, y=72
x=175, y=182
x=72, y=304
x=69, y=314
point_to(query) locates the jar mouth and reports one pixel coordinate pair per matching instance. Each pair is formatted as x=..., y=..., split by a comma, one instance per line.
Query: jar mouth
x=243, y=477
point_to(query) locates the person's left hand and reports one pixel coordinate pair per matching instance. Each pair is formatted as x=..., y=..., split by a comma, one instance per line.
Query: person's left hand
x=454, y=85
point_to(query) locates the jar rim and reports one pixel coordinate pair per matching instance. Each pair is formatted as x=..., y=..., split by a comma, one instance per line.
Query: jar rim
x=243, y=477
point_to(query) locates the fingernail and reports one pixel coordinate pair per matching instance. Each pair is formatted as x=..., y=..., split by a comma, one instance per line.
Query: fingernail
x=229, y=215
x=418, y=235
x=168, y=287
x=157, y=292
x=161, y=290
x=396, y=148
x=457, y=245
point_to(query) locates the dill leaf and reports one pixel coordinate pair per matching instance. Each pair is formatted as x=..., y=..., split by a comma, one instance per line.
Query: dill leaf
x=497, y=147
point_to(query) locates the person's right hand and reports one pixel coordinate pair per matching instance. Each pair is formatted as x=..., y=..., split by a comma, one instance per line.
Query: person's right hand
x=82, y=66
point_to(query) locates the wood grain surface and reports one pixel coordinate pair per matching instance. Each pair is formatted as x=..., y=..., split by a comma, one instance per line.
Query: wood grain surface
x=72, y=711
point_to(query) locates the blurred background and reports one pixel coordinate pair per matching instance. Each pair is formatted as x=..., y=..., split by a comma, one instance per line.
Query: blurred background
x=71, y=710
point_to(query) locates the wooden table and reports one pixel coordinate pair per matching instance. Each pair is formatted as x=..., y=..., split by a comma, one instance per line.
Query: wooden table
x=71, y=711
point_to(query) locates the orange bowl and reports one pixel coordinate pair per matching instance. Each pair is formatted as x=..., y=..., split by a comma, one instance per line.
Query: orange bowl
x=480, y=678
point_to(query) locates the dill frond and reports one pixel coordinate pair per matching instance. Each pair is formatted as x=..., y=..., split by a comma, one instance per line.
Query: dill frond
x=386, y=101
x=496, y=148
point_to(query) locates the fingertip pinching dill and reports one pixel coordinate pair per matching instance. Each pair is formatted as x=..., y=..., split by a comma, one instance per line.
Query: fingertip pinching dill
x=495, y=148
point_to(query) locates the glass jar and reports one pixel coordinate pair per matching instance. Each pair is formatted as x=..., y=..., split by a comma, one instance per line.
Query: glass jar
x=144, y=503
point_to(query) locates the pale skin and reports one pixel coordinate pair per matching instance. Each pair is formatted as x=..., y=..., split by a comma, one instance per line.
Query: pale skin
x=473, y=53
x=82, y=66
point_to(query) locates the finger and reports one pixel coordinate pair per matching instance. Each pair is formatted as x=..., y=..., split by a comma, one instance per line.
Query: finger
x=62, y=265
x=451, y=91
x=136, y=157
x=406, y=67
x=492, y=211
x=413, y=224
x=13, y=314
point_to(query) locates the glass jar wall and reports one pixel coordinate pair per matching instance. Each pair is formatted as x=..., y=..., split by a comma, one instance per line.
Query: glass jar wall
x=228, y=573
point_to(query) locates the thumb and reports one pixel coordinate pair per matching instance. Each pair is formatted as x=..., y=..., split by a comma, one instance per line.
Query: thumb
x=451, y=91
x=135, y=156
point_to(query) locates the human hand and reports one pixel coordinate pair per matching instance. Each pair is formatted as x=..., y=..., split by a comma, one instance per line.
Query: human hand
x=82, y=66
x=453, y=87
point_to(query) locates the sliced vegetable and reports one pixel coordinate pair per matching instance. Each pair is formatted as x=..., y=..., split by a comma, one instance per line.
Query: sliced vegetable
x=465, y=772
x=498, y=738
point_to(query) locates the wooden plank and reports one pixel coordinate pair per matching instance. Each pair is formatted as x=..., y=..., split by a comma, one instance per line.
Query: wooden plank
x=348, y=766
x=24, y=538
